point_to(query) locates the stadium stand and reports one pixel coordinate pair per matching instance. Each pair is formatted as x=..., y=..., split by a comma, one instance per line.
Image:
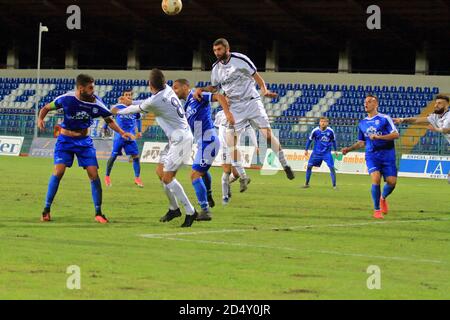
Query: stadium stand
x=293, y=112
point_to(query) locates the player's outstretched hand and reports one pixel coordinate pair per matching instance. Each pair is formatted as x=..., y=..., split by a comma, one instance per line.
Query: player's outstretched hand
x=41, y=124
x=128, y=136
x=138, y=135
x=397, y=120
x=345, y=150
x=373, y=137
x=306, y=153
x=431, y=128
x=270, y=94
x=198, y=94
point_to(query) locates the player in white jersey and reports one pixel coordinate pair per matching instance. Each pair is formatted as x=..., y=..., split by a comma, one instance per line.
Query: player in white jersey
x=230, y=173
x=236, y=75
x=169, y=112
x=439, y=121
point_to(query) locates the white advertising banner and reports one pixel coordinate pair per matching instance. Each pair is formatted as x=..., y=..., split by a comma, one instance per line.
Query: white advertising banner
x=10, y=146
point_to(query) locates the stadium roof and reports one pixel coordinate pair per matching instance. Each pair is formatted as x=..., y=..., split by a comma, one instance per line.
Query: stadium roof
x=323, y=23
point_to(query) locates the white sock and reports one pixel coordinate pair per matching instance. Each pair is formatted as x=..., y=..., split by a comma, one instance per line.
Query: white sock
x=173, y=203
x=240, y=169
x=282, y=159
x=225, y=184
x=176, y=188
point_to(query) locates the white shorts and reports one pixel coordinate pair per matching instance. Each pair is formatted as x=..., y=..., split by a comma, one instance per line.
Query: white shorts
x=177, y=152
x=247, y=131
x=249, y=111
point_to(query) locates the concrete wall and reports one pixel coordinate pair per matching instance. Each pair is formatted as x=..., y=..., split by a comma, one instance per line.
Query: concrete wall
x=442, y=82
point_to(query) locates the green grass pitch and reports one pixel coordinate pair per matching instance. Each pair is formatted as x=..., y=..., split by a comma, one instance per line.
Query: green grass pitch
x=276, y=241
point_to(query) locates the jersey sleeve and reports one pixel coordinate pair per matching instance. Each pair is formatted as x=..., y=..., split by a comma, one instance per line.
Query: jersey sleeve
x=390, y=126
x=432, y=119
x=147, y=105
x=57, y=103
x=103, y=111
x=247, y=65
x=208, y=96
x=361, y=136
x=214, y=78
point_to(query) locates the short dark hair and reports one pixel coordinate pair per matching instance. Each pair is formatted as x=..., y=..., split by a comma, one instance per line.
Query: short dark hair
x=222, y=41
x=84, y=80
x=372, y=96
x=324, y=118
x=127, y=90
x=183, y=82
x=443, y=97
x=157, y=79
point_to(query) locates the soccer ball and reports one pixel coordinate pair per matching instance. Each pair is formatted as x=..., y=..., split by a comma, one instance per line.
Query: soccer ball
x=171, y=7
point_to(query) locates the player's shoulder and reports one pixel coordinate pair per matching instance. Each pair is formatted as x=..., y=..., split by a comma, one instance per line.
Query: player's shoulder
x=330, y=129
x=241, y=58
x=66, y=96
x=315, y=129
x=119, y=106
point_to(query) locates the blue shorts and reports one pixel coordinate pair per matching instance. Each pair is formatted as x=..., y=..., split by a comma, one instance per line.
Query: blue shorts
x=83, y=147
x=316, y=160
x=382, y=161
x=206, y=154
x=130, y=147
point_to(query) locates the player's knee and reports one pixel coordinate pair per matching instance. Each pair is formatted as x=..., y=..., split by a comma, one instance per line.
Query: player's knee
x=195, y=175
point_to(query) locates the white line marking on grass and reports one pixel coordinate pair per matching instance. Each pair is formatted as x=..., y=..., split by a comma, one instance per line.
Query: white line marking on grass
x=337, y=253
x=340, y=225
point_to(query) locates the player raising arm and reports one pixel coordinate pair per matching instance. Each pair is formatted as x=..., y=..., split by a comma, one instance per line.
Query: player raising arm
x=79, y=107
x=438, y=121
x=377, y=133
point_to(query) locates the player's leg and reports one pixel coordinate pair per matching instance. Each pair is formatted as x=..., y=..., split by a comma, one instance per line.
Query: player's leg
x=226, y=183
x=97, y=193
x=376, y=193
x=207, y=180
x=116, y=151
x=131, y=149
x=178, y=154
x=52, y=189
x=62, y=158
x=390, y=177
x=174, y=209
x=232, y=139
x=330, y=163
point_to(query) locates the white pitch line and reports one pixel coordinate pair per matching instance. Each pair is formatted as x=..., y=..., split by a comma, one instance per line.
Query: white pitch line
x=239, y=244
x=343, y=225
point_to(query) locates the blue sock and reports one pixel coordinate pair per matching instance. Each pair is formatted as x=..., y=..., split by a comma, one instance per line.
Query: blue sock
x=207, y=179
x=53, y=185
x=110, y=164
x=200, y=191
x=333, y=176
x=387, y=190
x=136, y=167
x=308, y=174
x=96, y=188
x=376, y=193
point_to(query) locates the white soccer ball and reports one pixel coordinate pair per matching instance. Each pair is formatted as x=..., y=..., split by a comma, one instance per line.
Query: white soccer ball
x=171, y=7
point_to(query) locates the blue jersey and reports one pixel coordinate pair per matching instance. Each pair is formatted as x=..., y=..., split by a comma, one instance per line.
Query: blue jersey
x=128, y=122
x=79, y=114
x=323, y=141
x=380, y=124
x=198, y=114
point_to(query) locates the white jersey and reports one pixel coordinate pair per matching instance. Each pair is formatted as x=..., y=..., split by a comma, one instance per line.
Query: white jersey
x=220, y=119
x=236, y=78
x=168, y=110
x=441, y=121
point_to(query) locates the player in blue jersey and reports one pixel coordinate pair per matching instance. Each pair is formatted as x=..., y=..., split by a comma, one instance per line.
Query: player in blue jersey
x=377, y=133
x=324, y=139
x=198, y=114
x=128, y=123
x=80, y=107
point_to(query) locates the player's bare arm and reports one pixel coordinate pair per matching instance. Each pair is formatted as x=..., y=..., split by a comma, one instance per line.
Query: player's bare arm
x=413, y=120
x=390, y=136
x=43, y=113
x=225, y=106
x=198, y=91
x=358, y=145
x=440, y=130
x=262, y=84
x=113, y=125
